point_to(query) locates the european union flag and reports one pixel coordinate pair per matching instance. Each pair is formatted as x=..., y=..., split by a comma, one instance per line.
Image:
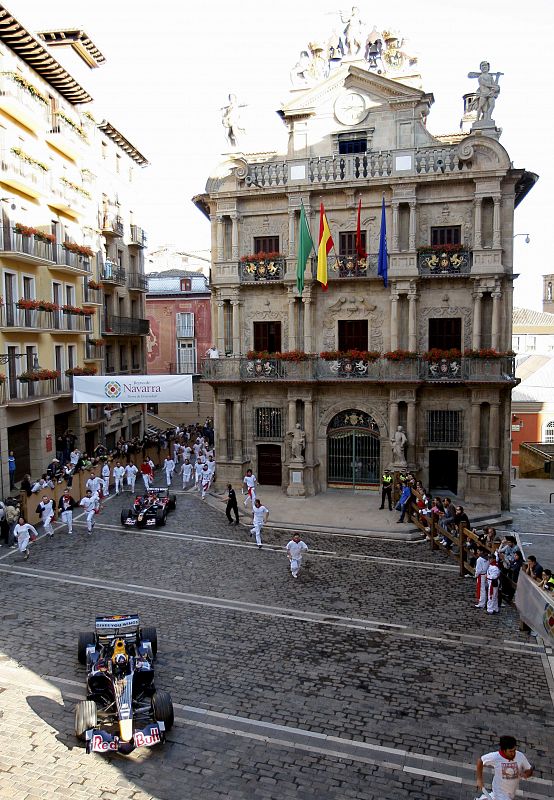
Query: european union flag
x=382, y=261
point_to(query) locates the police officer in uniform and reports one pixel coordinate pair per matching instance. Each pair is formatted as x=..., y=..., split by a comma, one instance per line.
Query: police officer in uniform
x=386, y=489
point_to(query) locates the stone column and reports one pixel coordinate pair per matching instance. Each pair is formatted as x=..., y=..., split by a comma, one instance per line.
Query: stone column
x=476, y=335
x=474, y=434
x=292, y=323
x=413, y=226
x=235, y=305
x=411, y=433
x=307, y=324
x=221, y=416
x=292, y=231
x=219, y=237
x=495, y=338
x=393, y=419
x=237, y=430
x=395, y=230
x=496, y=237
x=494, y=435
x=394, y=321
x=292, y=414
x=477, y=203
x=412, y=322
x=220, y=328
x=235, y=237
x=309, y=428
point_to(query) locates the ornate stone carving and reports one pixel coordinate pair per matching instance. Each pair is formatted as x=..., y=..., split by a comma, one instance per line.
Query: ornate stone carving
x=455, y=311
x=486, y=94
x=231, y=121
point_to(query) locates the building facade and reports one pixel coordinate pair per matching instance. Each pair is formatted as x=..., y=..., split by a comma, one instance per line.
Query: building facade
x=178, y=307
x=547, y=296
x=357, y=132
x=60, y=247
x=533, y=332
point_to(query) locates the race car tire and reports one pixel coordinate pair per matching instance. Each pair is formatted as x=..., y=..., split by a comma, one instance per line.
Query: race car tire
x=125, y=516
x=172, y=505
x=85, y=718
x=84, y=640
x=160, y=518
x=162, y=707
x=150, y=635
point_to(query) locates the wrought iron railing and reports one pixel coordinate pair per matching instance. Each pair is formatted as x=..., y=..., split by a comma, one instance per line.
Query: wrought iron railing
x=15, y=242
x=136, y=280
x=262, y=271
x=77, y=261
x=112, y=273
x=444, y=263
x=131, y=326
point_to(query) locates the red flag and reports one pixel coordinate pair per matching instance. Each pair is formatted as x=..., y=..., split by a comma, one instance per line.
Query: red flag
x=360, y=249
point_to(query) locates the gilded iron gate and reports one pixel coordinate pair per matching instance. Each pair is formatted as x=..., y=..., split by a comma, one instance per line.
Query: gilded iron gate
x=353, y=450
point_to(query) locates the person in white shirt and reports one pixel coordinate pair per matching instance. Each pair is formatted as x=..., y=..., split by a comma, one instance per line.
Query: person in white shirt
x=22, y=533
x=509, y=766
x=118, y=473
x=106, y=479
x=131, y=475
x=187, y=452
x=481, y=568
x=42, y=484
x=186, y=473
x=66, y=504
x=74, y=456
x=212, y=352
x=493, y=582
x=94, y=483
x=295, y=550
x=90, y=503
x=169, y=466
x=198, y=469
x=211, y=468
x=46, y=510
x=249, y=481
x=260, y=516
x=176, y=451
x=205, y=480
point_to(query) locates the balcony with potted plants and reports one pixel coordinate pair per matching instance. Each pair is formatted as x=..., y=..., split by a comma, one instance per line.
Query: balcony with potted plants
x=25, y=173
x=94, y=349
x=73, y=319
x=32, y=386
x=28, y=315
x=92, y=292
x=23, y=101
x=69, y=197
x=27, y=244
x=73, y=259
x=262, y=268
x=66, y=134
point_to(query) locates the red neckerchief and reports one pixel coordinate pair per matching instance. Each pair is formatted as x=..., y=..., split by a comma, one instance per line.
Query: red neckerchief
x=503, y=754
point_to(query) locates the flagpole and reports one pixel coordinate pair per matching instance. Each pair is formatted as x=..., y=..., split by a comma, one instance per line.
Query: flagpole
x=311, y=237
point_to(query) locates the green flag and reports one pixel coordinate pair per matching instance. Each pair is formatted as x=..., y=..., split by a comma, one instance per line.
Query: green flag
x=305, y=246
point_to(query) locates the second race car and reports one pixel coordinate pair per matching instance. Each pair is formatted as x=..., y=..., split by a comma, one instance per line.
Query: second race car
x=149, y=510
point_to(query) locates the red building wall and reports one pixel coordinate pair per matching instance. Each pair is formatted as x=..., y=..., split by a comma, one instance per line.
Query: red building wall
x=526, y=427
x=161, y=344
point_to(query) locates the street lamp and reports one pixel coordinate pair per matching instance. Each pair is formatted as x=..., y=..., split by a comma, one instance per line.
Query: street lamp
x=527, y=237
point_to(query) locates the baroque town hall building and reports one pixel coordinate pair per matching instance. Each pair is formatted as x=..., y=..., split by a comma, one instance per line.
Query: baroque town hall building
x=356, y=127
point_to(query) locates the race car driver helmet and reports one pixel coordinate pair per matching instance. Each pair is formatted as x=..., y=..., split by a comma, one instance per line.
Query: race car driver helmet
x=120, y=664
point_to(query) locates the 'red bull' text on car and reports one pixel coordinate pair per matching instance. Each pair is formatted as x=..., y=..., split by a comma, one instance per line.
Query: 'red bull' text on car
x=123, y=709
x=149, y=510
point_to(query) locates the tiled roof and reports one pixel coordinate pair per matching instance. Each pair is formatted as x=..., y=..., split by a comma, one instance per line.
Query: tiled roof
x=537, y=380
x=528, y=317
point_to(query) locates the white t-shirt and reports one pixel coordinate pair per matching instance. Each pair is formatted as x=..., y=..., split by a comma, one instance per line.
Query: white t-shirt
x=205, y=474
x=296, y=549
x=211, y=467
x=169, y=465
x=250, y=481
x=481, y=566
x=259, y=513
x=89, y=503
x=186, y=471
x=118, y=472
x=130, y=469
x=106, y=471
x=506, y=773
x=493, y=572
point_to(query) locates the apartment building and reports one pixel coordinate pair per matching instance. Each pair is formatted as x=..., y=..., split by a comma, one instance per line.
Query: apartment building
x=72, y=297
x=428, y=350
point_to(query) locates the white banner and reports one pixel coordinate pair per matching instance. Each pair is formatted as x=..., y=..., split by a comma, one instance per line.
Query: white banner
x=535, y=606
x=132, y=389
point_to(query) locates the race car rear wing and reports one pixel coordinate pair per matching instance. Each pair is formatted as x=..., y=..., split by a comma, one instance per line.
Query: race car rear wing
x=123, y=626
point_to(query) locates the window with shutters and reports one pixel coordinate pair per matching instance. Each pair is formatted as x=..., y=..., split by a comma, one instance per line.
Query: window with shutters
x=347, y=243
x=185, y=325
x=266, y=244
x=353, y=334
x=267, y=336
x=446, y=234
x=445, y=333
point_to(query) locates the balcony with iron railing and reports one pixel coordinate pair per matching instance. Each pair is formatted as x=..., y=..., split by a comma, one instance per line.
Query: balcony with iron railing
x=24, y=175
x=356, y=168
x=68, y=322
x=18, y=392
x=70, y=262
x=68, y=197
x=138, y=236
x=137, y=282
x=68, y=137
x=91, y=296
x=93, y=351
x=446, y=262
x=112, y=273
x=264, y=270
x=314, y=368
x=27, y=248
x=112, y=225
x=15, y=317
x=23, y=101
x=114, y=325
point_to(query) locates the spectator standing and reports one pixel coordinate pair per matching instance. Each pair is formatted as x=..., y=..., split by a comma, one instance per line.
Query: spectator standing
x=493, y=584
x=295, y=550
x=260, y=516
x=11, y=469
x=66, y=504
x=386, y=489
x=26, y=485
x=481, y=568
x=403, y=502
x=509, y=765
x=232, y=505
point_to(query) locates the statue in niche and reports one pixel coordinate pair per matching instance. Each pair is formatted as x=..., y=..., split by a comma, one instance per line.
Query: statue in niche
x=298, y=442
x=487, y=92
x=398, y=446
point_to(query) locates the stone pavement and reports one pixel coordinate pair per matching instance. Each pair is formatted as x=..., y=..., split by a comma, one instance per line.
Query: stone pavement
x=533, y=518
x=371, y=676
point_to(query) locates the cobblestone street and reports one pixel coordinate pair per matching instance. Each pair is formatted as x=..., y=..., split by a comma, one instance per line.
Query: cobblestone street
x=371, y=676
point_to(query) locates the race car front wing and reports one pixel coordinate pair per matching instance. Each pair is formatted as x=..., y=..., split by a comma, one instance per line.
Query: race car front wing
x=99, y=741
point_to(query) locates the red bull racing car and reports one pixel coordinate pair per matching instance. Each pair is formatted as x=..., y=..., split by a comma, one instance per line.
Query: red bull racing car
x=149, y=510
x=123, y=709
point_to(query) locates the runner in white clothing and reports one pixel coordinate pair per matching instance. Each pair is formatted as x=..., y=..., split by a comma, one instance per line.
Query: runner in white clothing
x=169, y=466
x=186, y=473
x=295, y=550
x=66, y=504
x=46, y=510
x=131, y=471
x=205, y=480
x=22, y=533
x=118, y=473
x=260, y=517
x=94, y=483
x=493, y=582
x=198, y=469
x=211, y=468
x=90, y=503
x=481, y=568
x=106, y=479
x=509, y=766
x=250, y=482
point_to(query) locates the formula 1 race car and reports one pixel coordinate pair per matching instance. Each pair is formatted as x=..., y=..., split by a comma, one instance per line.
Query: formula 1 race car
x=123, y=709
x=149, y=510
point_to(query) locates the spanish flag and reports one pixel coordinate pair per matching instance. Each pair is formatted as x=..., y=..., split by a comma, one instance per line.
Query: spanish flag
x=325, y=245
